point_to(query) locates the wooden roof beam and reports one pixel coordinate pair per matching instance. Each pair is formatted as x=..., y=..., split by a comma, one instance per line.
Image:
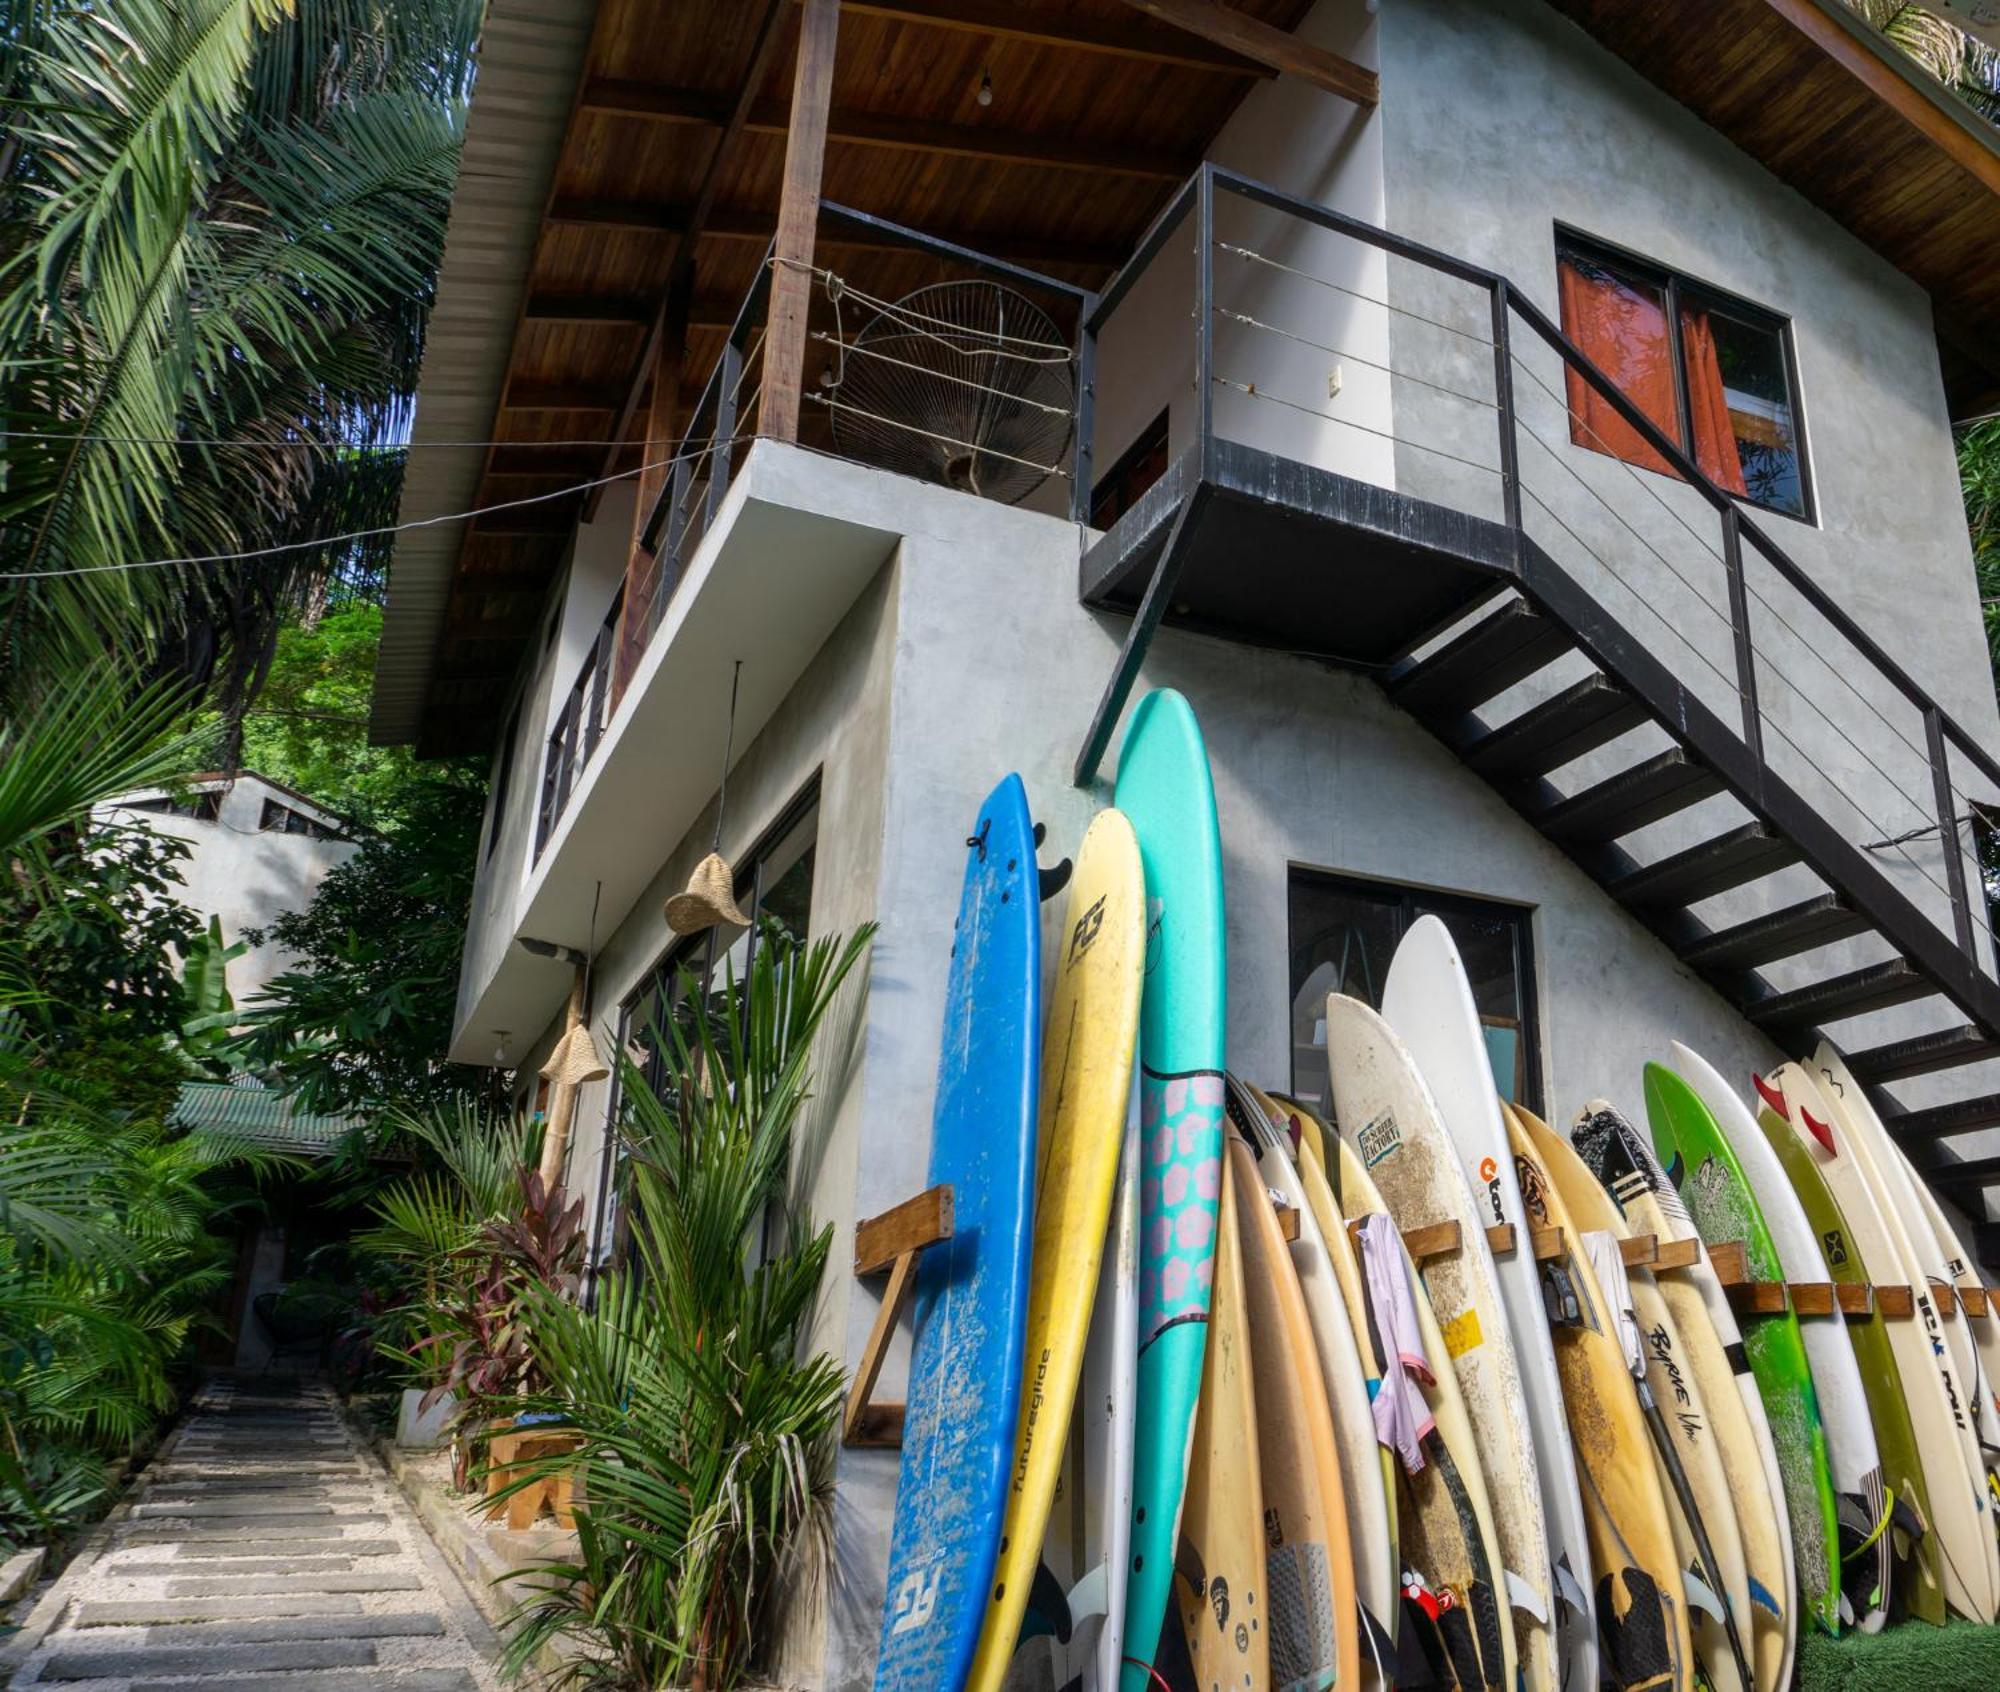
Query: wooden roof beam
x=549, y=306
x=655, y=103
x=1005, y=21
x=743, y=224
x=1282, y=51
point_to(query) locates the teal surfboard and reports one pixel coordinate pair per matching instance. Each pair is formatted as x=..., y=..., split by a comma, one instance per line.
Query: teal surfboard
x=1165, y=790
x=972, y=1290
x=1702, y=1165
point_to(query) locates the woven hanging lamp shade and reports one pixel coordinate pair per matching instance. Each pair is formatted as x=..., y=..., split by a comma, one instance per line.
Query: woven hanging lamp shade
x=575, y=1059
x=710, y=898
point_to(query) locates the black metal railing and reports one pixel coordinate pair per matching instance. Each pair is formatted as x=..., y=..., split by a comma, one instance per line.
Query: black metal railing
x=579, y=725
x=1746, y=765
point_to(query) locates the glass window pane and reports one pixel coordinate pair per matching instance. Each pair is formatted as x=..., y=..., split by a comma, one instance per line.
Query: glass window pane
x=1619, y=321
x=1740, y=400
x=1343, y=935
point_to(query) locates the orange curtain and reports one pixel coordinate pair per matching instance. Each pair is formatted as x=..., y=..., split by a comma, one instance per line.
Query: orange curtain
x=1623, y=331
x=1708, y=406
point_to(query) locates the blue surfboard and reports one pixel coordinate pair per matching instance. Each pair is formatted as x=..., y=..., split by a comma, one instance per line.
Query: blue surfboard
x=972, y=1290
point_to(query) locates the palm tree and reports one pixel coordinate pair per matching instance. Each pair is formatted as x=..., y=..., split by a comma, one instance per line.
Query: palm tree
x=219, y=227
x=1966, y=65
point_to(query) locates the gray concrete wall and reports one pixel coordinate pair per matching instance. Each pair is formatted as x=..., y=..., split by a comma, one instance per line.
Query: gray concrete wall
x=1501, y=121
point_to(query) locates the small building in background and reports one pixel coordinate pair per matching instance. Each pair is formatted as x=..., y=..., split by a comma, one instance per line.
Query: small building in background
x=257, y=849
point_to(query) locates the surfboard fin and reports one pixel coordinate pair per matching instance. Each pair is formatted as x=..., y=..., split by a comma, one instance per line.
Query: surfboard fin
x=1047, y=1599
x=1569, y=1590
x=1378, y=1645
x=1761, y=1596
x=1702, y=1596
x=1522, y=1596
x=1091, y=1596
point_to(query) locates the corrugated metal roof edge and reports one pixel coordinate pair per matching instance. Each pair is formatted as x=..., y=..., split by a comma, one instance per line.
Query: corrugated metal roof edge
x=531, y=54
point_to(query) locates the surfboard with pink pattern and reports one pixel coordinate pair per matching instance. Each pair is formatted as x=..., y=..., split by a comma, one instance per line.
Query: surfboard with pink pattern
x=1165, y=790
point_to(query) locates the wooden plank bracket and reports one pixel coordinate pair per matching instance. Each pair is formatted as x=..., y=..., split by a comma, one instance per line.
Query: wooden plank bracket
x=1748, y=1297
x=1975, y=1301
x=892, y=1241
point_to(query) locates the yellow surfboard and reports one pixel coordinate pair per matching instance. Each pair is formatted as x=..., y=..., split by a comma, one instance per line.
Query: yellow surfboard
x=1311, y=1609
x=1641, y=1619
x=1092, y=1032
x=1219, y=1584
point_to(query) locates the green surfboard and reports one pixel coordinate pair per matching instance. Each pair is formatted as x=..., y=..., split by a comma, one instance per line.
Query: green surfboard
x=1699, y=1161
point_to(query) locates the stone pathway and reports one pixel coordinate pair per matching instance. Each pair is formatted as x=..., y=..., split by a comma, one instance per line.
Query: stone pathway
x=264, y=1549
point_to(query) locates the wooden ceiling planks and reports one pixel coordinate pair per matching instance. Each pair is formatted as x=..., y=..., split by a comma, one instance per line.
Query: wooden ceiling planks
x=1095, y=113
x=1824, y=105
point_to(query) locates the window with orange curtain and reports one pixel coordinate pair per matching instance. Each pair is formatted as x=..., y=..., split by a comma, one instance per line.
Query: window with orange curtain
x=1713, y=373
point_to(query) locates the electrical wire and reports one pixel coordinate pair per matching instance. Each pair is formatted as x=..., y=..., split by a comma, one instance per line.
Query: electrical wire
x=363, y=534
x=330, y=448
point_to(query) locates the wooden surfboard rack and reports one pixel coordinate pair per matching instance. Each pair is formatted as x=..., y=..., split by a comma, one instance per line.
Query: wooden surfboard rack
x=893, y=1242
x=1640, y=1251
x=1804, y=1298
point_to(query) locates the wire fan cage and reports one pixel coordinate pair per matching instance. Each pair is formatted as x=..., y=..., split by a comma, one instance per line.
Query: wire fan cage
x=965, y=383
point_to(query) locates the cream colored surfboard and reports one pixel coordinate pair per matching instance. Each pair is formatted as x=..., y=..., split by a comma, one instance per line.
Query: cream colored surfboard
x=1620, y=1155
x=1219, y=1587
x=1309, y=1569
x=1706, y=1531
x=1087, y=1049
x=1323, y=1257
x=1387, y=1114
x=1912, y=1422
x=1445, y=1518
x=1635, y=1568
x=1972, y=1570
x=1985, y=1334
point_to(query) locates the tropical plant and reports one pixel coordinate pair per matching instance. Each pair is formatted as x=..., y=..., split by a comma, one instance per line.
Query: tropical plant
x=219, y=225
x=1965, y=65
x=703, y=1434
x=362, y=1018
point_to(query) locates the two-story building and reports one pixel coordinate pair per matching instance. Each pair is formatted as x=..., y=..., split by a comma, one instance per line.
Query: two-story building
x=1522, y=428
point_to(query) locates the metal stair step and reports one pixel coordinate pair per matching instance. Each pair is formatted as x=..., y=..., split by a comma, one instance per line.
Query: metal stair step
x=1874, y=987
x=1923, y=1054
x=1817, y=921
x=1746, y=853
x=1486, y=659
x=1657, y=787
x=1575, y=721
x=1962, y=1116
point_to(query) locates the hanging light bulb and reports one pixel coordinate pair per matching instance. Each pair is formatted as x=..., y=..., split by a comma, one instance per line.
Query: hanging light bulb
x=985, y=94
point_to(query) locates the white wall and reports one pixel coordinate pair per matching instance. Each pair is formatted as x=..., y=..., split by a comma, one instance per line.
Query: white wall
x=244, y=874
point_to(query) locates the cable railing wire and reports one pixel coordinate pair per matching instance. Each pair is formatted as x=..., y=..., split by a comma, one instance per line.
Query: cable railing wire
x=1256, y=392
x=1357, y=358
x=1251, y=255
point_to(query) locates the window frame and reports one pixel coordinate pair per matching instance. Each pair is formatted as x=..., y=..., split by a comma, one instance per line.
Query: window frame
x=1569, y=239
x=1405, y=898
x=747, y=889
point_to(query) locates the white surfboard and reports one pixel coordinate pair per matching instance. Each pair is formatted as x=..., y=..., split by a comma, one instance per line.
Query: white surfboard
x=1972, y=1590
x=1852, y=1460
x=1088, y=1546
x=1427, y=1000
x=1366, y=1505
x=1985, y=1335
x=1387, y=1114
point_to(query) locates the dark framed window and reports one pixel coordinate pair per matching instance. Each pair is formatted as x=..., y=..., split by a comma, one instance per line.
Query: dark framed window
x=774, y=890
x=205, y=806
x=1139, y=466
x=1717, y=375
x=1343, y=933
x=276, y=818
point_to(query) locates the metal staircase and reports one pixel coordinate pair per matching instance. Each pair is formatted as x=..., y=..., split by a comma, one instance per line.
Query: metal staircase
x=1457, y=612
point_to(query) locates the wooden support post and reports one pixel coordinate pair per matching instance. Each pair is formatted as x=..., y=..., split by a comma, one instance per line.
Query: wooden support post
x=893, y=1241
x=798, y=216
x=643, y=566
x=562, y=1108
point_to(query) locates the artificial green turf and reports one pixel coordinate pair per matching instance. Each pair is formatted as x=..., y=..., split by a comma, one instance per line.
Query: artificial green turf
x=1911, y=1657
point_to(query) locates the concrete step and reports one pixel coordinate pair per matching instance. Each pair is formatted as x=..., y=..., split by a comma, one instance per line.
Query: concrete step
x=397, y=1624
x=247, y=1586
x=129, y=1664
x=145, y=1612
